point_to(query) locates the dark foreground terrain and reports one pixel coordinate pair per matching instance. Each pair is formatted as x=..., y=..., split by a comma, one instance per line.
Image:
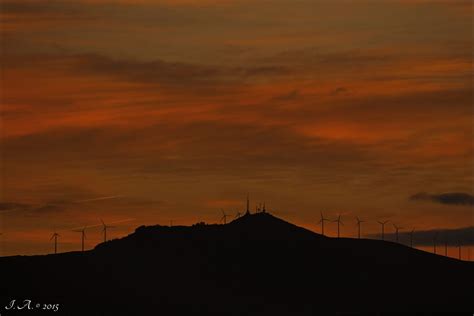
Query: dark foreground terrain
x=256, y=265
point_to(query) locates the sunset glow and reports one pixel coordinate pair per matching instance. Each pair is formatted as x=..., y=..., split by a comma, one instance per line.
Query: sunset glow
x=146, y=112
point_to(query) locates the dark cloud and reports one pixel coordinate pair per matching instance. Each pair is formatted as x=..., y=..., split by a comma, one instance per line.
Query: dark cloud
x=34, y=7
x=340, y=91
x=174, y=73
x=455, y=198
x=464, y=235
x=192, y=76
x=290, y=96
x=48, y=208
x=10, y=206
x=150, y=72
x=42, y=13
x=31, y=209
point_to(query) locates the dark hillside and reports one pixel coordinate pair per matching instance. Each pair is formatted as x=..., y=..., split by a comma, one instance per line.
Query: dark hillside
x=255, y=265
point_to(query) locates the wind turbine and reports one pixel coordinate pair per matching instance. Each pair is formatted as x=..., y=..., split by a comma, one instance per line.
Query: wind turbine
x=104, y=229
x=321, y=221
x=55, y=237
x=435, y=237
x=383, y=228
x=446, y=245
x=459, y=246
x=248, y=205
x=358, y=225
x=397, y=228
x=411, y=237
x=339, y=222
x=83, y=236
x=224, y=217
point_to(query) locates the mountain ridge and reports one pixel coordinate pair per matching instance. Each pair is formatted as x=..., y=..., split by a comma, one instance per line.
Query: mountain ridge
x=267, y=265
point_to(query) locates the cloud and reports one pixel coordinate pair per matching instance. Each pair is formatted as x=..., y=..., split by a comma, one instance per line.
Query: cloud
x=455, y=198
x=340, y=91
x=185, y=76
x=174, y=73
x=290, y=96
x=35, y=15
x=11, y=206
x=72, y=208
x=7, y=207
x=47, y=209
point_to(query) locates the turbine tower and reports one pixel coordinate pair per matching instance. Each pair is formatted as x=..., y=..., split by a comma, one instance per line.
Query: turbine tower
x=383, y=228
x=55, y=237
x=224, y=217
x=359, y=221
x=339, y=223
x=411, y=237
x=104, y=229
x=321, y=221
x=445, y=245
x=83, y=236
x=460, y=247
x=435, y=238
x=248, y=205
x=397, y=228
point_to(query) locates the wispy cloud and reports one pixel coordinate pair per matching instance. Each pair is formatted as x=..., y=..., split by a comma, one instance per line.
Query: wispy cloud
x=12, y=207
x=6, y=207
x=98, y=199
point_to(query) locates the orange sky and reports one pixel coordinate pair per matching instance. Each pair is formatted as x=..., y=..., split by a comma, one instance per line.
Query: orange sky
x=179, y=108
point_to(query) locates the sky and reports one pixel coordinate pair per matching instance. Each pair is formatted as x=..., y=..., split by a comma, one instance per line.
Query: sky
x=146, y=112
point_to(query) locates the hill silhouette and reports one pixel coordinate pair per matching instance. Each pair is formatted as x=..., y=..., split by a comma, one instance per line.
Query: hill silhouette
x=256, y=265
